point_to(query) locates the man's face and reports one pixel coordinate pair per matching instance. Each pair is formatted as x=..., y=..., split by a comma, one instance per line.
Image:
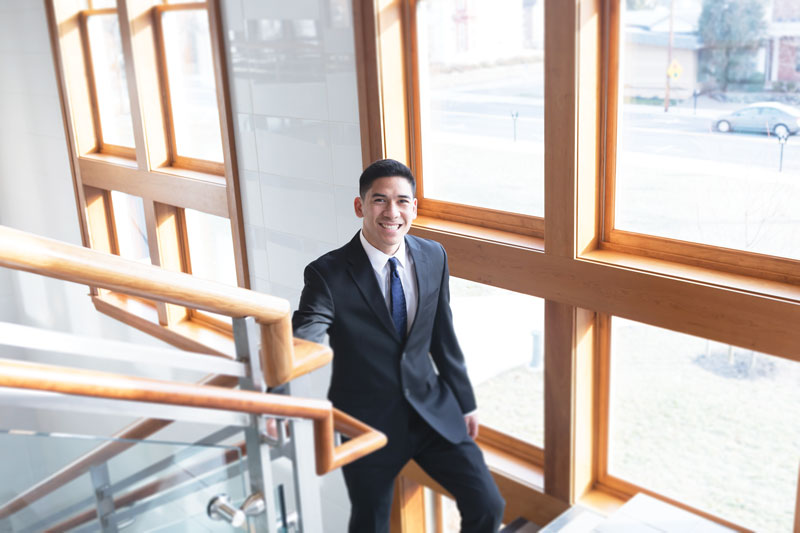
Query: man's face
x=387, y=208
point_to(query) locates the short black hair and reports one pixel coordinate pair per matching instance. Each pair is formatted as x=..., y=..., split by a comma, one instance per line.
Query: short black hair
x=385, y=168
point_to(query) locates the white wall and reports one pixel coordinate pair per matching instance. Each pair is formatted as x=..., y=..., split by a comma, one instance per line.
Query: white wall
x=298, y=139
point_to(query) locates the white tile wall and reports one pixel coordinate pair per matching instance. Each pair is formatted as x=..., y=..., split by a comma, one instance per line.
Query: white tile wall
x=294, y=147
x=250, y=190
x=293, y=80
x=246, y=142
x=36, y=192
x=288, y=255
x=305, y=208
x=257, y=253
x=341, y=88
x=346, y=153
x=282, y=10
x=298, y=140
x=297, y=99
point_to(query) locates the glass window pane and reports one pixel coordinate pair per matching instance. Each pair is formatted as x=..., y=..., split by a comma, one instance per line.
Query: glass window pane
x=714, y=426
x=211, y=251
x=481, y=87
x=713, y=168
x=193, y=94
x=502, y=336
x=111, y=86
x=130, y=226
x=102, y=4
x=210, y=247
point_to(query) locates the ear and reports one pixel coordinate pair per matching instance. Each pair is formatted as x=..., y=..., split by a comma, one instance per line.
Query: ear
x=359, y=207
x=414, y=210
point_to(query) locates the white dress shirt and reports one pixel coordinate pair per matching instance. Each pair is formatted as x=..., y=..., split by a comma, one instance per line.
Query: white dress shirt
x=406, y=270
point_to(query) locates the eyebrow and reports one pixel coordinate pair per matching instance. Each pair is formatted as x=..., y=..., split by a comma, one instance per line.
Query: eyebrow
x=381, y=195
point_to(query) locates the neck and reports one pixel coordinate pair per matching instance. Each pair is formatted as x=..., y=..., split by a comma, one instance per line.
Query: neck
x=389, y=251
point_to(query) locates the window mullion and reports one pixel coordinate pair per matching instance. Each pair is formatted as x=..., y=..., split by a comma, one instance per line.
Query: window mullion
x=100, y=222
x=603, y=391
x=133, y=93
x=138, y=27
x=154, y=245
x=171, y=250
x=163, y=80
x=83, y=21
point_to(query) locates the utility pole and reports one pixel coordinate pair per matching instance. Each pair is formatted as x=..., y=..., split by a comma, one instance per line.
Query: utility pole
x=669, y=54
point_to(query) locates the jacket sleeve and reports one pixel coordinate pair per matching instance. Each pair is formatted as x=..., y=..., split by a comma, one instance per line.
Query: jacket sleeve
x=446, y=351
x=315, y=313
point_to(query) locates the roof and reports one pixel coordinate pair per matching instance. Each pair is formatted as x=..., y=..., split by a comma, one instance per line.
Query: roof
x=779, y=106
x=690, y=41
x=651, y=27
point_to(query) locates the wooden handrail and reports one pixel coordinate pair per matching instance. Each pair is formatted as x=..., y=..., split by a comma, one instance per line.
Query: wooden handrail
x=92, y=383
x=283, y=358
x=797, y=506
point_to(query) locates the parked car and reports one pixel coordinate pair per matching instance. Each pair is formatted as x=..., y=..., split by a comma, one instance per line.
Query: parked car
x=762, y=117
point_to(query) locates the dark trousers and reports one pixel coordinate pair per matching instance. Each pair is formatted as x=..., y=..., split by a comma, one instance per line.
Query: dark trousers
x=459, y=468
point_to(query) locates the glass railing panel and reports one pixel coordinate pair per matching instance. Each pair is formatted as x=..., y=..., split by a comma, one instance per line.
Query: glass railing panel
x=153, y=485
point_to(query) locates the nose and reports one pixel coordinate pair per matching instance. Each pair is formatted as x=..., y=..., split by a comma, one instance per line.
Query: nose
x=392, y=209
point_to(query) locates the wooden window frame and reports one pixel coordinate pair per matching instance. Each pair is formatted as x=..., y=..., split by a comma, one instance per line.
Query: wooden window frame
x=165, y=184
x=702, y=255
x=175, y=159
x=583, y=276
x=400, y=44
x=100, y=145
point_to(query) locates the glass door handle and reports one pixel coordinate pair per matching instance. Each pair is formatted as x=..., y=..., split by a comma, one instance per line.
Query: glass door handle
x=221, y=508
x=254, y=504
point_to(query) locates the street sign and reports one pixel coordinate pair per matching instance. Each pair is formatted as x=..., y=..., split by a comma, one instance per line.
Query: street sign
x=674, y=70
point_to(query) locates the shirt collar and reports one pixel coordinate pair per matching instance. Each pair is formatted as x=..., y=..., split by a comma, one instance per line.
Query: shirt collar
x=379, y=259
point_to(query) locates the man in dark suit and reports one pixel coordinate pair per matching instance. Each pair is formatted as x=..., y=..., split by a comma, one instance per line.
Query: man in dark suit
x=384, y=301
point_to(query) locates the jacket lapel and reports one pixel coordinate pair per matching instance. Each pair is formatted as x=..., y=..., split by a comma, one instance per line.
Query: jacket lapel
x=423, y=279
x=360, y=270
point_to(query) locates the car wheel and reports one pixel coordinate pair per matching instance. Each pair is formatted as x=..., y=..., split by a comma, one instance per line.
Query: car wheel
x=724, y=126
x=781, y=130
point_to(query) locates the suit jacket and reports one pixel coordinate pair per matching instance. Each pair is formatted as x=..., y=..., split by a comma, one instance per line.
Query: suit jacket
x=374, y=370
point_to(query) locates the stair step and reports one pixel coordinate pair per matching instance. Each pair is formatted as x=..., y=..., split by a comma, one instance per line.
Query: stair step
x=520, y=525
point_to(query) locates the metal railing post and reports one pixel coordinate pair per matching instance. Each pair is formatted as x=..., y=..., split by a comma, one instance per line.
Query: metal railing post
x=301, y=451
x=104, y=497
x=246, y=336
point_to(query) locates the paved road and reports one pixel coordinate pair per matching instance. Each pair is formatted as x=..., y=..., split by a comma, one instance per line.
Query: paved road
x=645, y=129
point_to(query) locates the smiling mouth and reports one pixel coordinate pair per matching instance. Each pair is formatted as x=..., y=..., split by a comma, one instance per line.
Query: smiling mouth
x=390, y=226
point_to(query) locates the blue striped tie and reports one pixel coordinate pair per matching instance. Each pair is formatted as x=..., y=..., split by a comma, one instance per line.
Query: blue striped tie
x=399, y=313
